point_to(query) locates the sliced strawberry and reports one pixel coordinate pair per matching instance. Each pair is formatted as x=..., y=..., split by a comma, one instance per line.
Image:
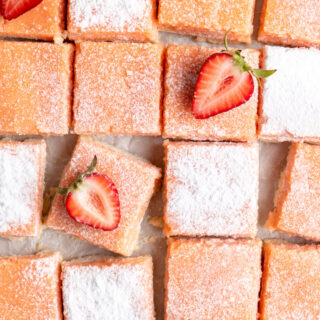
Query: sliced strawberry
x=11, y=9
x=225, y=82
x=93, y=200
x=221, y=86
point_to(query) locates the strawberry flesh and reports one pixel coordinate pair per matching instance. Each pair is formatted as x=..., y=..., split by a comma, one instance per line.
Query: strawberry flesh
x=11, y=9
x=221, y=86
x=95, y=202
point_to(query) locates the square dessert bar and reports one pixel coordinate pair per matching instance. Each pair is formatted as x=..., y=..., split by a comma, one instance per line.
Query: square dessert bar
x=290, y=282
x=136, y=180
x=183, y=65
x=22, y=167
x=45, y=22
x=119, y=289
x=297, y=201
x=211, y=189
x=35, y=88
x=293, y=23
x=290, y=101
x=118, y=88
x=124, y=20
x=212, y=279
x=30, y=287
x=208, y=19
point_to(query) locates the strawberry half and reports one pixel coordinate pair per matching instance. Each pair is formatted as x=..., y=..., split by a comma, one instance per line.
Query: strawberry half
x=93, y=200
x=11, y=9
x=221, y=86
x=225, y=82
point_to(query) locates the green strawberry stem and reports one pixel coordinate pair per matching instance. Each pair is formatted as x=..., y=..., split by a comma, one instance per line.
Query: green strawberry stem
x=243, y=65
x=79, y=180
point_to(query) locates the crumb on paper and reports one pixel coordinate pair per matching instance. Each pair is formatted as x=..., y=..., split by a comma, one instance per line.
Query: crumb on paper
x=39, y=245
x=59, y=39
x=156, y=221
x=152, y=239
x=148, y=240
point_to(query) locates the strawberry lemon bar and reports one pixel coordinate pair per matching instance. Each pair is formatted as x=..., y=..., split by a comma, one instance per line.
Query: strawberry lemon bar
x=290, y=282
x=290, y=100
x=208, y=19
x=291, y=22
x=124, y=20
x=211, y=189
x=22, y=166
x=35, y=90
x=119, y=289
x=118, y=88
x=183, y=64
x=297, y=201
x=135, y=181
x=45, y=21
x=30, y=287
x=212, y=279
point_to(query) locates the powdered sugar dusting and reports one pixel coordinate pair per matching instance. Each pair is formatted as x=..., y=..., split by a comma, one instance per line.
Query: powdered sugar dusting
x=291, y=22
x=130, y=75
x=291, y=282
x=298, y=203
x=19, y=190
x=208, y=18
x=35, y=87
x=291, y=101
x=212, y=189
x=119, y=15
x=213, y=279
x=30, y=287
x=45, y=21
x=114, y=291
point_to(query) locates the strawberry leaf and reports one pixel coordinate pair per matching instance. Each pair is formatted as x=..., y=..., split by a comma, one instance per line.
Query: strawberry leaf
x=260, y=73
x=243, y=65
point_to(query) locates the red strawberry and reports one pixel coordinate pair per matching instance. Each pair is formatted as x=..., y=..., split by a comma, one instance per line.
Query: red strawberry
x=225, y=82
x=221, y=86
x=11, y=9
x=93, y=200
